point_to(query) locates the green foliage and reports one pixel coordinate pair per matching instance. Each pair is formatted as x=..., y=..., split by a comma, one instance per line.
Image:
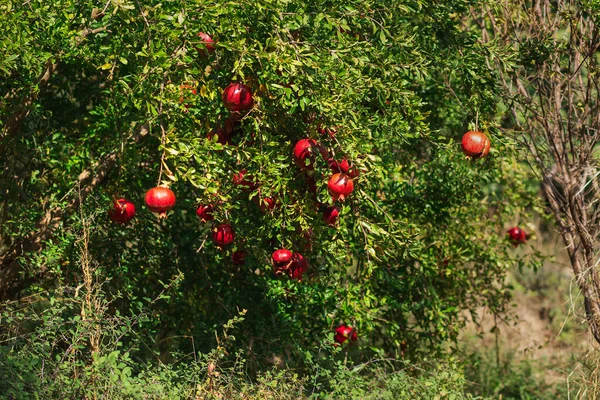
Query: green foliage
x=420, y=239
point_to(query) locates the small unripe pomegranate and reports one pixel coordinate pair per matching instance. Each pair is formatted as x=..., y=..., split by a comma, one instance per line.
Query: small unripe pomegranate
x=345, y=332
x=239, y=257
x=160, y=200
x=204, y=212
x=305, y=153
x=475, y=144
x=330, y=215
x=207, y=42
x=237, y=97
x=340, y=186
x=223, y=235
x=517, y=236
x=281, y=260
x=245, y=180
x=122, y=212
x=298, y=267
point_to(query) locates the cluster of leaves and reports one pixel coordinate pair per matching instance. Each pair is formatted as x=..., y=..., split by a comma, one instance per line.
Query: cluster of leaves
x=420, y=239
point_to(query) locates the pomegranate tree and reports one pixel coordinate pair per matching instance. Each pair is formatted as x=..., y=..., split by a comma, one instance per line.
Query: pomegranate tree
x=223, y=235
x=205, y=212
x=345, y=332
x=305, y=152
x=340, y=186
x=517, y=236
x=122, y=212
x=475, y=144
x=160, y=200
x=237, y=97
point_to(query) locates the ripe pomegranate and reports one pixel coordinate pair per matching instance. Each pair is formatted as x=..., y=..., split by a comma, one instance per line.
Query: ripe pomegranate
x=122, y=212
x=267, y=204
x=160, y=200
x=475, y=144
x=330, y=215
x=239, y=257
x=340, y=186
x=345, y=332
x=305, y=152
x=222, y=136
x=207, y=42
x=281, y=260
x=204, y=212
x=223, y=235
x=298, y=267
x=245, y=180
x=237, y=97
x=517, y=236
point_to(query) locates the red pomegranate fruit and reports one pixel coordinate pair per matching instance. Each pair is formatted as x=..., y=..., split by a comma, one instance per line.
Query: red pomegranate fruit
x=205, y=212
x=305, y=152
x=122, y=212
x=244, y=179
x=330, y=215
x=207, y=42
x=160, y=200
x=517, y=236
x=345, y=332
x=223, y=235
x=340, y=186
x=267, y=204
x=281, y=260
x=237, y=97
x=475, y=144
x=239, y=257
x=298, y=267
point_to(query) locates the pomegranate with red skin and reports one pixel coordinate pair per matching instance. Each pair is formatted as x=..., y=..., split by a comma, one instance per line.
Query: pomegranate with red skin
x=298, y=266
x=222, y=136
x=223, y=235
x=237, y=97
x=475, y=144
x=160, y=200
x=331, y=214
x=345, y=332
x=122, y=212
x=206, y=41
x=244, y=179
x=517, y=236
x=239, y=257
x=267, y=204
x=305, y=153
x=204, y=212
x=340, y=186
x=281, y=260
